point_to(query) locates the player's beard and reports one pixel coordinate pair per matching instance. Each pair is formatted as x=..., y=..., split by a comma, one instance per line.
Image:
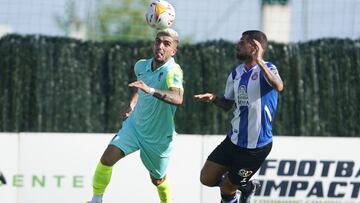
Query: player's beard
x=159, y=62
x=243, y=56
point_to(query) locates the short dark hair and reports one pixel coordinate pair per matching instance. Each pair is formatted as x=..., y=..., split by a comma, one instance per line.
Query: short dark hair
x=258, y=36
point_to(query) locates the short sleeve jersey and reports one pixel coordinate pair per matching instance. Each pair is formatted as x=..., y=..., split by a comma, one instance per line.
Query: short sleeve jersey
x=152, y=117
x=255, y=106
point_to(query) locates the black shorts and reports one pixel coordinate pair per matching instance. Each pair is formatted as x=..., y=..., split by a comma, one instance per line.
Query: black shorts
x=242, y=163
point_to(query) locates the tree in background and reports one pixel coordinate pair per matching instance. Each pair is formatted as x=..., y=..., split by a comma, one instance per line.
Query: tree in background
x=71, y=23
x=122, y=20
x=110, y=20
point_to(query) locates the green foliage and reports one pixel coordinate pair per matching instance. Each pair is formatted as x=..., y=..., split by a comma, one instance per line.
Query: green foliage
x=70, y=21
x=52, y=84
x=112, y=20
x=122, y=20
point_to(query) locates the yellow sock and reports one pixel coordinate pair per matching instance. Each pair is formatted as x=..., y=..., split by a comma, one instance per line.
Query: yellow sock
x=101, y=178
x=164, y=191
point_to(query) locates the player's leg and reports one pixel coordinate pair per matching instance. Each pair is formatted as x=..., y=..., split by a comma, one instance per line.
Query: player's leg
x=228, y=191
x=163, y=187
x=212, y=174
x=216, y=165
x=156, y=159
x=103, y=171
x=246, y=194
x=120, y=146
x=245, y=164
x=215, y=170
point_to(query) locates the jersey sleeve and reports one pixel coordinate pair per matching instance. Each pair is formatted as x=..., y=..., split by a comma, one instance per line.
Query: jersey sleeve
x=273, y=69
x=174, y=78
x=229, y=88
x=139, y=67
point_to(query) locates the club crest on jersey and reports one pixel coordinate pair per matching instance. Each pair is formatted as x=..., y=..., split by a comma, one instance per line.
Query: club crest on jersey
x=160, y=76
x=255, y=76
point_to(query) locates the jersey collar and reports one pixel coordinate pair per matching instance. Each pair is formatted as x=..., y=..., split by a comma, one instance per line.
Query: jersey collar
x=249, y=69
x=148, y=67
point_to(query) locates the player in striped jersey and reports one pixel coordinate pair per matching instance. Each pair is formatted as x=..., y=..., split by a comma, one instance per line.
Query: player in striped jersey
x=252, y=90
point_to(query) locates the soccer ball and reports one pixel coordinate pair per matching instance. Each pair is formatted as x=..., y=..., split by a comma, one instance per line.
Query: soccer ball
x=160, y=14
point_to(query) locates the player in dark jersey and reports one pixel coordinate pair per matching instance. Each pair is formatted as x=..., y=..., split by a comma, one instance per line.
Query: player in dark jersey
x=252, y=91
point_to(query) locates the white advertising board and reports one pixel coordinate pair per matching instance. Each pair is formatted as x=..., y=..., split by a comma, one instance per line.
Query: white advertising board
x=311, y=170
x=58, y=168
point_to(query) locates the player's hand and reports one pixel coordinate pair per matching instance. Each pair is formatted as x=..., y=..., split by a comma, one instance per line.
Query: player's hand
x=141, y=85
x=258, y=54
x=126, y=112
x=207, y=97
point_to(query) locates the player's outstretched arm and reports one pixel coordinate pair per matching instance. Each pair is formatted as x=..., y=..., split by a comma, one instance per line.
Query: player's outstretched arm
x=220, y=102
x=125, y=113
x=172, y=95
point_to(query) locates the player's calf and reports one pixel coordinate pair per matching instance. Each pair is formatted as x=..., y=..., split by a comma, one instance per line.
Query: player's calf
x=248, y=191
x=229, y=198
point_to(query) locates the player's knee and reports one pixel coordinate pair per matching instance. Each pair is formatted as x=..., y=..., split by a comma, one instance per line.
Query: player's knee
x=205, y=180
x=107, y=161
x=111, y=155
x=157, y=182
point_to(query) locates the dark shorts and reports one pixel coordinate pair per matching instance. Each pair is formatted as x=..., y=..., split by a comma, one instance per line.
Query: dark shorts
x=242, y=163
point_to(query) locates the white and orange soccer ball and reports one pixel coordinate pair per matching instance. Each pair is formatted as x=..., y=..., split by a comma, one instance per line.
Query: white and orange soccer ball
x=160, y=14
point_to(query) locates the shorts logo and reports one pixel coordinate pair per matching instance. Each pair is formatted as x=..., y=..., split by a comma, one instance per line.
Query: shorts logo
x=244, y=173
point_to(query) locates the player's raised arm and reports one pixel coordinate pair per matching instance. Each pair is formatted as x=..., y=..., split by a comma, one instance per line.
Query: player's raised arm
x=273, y=78
x=125, y=113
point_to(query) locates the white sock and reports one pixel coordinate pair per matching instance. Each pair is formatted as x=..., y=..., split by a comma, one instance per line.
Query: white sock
x=97, y=199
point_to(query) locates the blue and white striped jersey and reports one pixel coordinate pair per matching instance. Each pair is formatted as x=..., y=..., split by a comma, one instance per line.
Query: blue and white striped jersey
x=255, y=102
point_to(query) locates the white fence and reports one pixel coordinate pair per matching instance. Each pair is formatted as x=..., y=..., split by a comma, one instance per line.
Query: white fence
x=58, y=168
